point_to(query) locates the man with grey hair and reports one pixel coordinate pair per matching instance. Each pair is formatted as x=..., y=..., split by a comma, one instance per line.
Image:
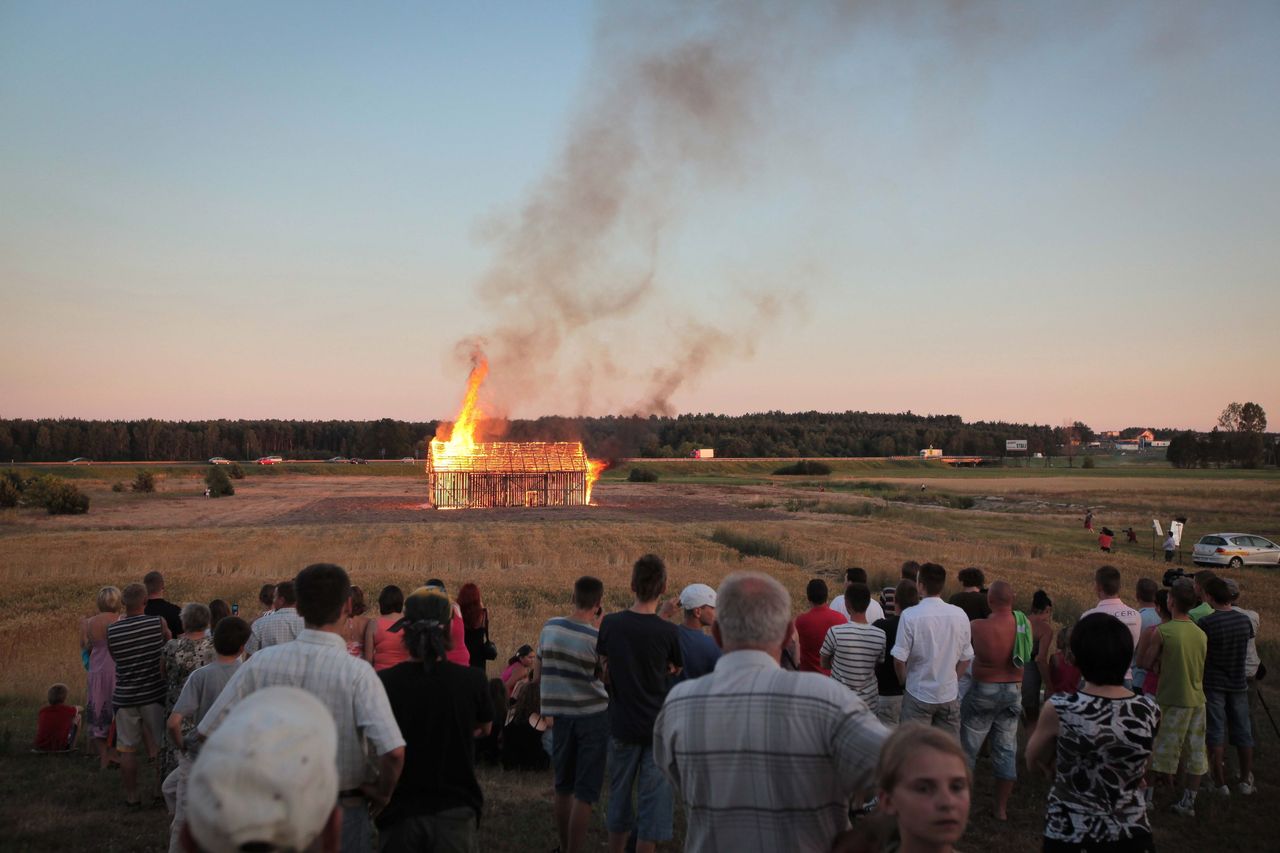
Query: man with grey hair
x=765, y=759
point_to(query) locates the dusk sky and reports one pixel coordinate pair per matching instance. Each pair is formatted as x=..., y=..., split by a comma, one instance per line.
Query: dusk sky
x=1021, y=211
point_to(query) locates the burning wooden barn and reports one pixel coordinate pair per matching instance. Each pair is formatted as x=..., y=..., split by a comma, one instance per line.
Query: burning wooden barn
x=508, y=474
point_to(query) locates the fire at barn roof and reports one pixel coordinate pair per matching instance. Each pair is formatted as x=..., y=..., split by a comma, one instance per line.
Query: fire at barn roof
x=509, y=473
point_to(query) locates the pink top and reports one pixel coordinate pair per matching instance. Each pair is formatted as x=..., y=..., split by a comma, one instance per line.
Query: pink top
x=458, y=633
x=388, y=647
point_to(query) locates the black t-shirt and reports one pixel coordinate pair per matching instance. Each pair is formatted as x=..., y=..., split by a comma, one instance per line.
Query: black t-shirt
x=638, y=647
x=887, y=683
x=437, y=713
x=974, y=604
x=170, y=613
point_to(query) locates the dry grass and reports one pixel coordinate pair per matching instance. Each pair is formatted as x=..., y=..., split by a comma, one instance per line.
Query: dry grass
x=51, y=568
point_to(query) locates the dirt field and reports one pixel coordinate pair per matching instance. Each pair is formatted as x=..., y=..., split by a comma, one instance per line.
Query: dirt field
x=1023, y=526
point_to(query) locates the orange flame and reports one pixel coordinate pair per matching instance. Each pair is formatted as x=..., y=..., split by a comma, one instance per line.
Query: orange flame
x=461, y=441
x=462, y=437
x=595, y=467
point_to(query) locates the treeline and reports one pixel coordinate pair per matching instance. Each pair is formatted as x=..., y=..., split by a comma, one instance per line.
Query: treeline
x=148, y=440
x=768, y=434
x=1217, y=448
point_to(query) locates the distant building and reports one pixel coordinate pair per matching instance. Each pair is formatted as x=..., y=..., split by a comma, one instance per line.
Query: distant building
x=1154, y=444
x=1128, y=446
x=1146, y=437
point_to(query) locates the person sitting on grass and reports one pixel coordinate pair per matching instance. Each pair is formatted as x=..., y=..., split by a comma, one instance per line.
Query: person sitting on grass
x=197, y=696
x=1096, y=745
x=57, y=723
x=518, y=672
x=526, y=733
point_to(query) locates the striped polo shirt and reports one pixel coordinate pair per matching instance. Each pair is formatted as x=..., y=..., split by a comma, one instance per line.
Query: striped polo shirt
x=855, y=650
x=135, y=643
x=571, y=685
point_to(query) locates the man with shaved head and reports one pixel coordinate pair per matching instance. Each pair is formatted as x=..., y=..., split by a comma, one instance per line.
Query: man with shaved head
x=994, y=702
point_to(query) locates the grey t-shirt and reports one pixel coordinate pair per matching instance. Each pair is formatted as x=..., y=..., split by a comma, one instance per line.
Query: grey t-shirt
x=200, y=692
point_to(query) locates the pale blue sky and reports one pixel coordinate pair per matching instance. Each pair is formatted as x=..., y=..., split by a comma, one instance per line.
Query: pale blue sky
x=1025, y=211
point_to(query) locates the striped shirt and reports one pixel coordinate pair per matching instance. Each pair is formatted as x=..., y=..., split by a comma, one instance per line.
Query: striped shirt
x=136, y=643
x=571, y=685
x=319, y=663
x=274, y=628
x=765, y=759
x=1228, y=632
x=855, y=650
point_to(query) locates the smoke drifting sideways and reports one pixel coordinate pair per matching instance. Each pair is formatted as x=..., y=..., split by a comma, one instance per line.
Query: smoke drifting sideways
x=676, y=99
x=675, y=92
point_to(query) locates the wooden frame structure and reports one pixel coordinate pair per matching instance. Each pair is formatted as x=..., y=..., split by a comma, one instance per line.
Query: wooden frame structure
x=508, y=474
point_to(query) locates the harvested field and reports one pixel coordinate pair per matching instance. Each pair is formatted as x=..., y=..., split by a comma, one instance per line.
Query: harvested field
x=1023, y=527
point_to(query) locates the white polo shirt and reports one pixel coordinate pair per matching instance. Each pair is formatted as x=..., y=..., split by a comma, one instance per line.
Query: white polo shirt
x=932, y=638
x=1131, y=618
x=874, y=611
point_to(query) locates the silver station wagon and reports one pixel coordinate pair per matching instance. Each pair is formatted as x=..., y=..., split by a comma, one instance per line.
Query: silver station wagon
x=1235, y=550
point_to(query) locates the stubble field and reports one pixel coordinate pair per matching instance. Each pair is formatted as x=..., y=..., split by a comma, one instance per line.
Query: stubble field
x=1023, y=525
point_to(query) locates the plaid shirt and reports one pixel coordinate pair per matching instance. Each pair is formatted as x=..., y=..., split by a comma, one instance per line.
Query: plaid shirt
x=765, y=759
x=274, y=628
x=319, y=663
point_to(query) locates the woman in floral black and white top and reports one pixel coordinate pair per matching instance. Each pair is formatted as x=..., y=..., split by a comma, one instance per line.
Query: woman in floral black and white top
x=1101, y=737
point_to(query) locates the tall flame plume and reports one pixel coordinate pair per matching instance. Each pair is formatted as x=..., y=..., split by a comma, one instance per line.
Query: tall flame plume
x=461, y=448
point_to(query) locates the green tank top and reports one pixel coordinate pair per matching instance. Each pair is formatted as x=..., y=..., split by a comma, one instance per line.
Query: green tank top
x=1181, y=664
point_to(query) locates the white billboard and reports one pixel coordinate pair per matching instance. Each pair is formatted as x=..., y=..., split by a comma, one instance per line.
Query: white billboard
x=1015, y=444
x=1175, y=530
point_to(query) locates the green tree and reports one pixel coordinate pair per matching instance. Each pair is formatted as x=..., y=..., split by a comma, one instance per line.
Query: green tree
x=218, y=482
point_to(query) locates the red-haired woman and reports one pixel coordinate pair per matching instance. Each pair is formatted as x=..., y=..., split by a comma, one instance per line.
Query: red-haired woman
x=475, y=622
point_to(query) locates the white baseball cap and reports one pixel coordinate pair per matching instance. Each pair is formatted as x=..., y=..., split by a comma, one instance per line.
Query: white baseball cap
x=267, y=775
x=697, y=595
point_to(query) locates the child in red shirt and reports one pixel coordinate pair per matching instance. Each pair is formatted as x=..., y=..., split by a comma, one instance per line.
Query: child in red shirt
x=57, y=723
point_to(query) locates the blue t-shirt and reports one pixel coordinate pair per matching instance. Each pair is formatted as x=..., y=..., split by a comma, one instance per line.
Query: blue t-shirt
x=699, y=652
x=1150, y=617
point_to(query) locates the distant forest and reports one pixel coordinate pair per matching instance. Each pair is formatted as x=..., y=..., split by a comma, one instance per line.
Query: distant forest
x=769, y=434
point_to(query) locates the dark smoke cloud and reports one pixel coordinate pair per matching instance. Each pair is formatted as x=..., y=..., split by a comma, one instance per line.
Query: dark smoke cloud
x=676, y=95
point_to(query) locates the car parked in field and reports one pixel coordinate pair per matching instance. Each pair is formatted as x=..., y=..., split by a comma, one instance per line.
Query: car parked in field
x=1235, y=550
x=219, y=460
x=270, y=460
x=355, y=461
x=409, y=459
x=337, y=459
x=80, y=460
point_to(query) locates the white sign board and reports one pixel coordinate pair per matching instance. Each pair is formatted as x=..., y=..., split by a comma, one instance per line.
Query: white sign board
x=1015, y=444
x=1175, y=530
x=1155, y=523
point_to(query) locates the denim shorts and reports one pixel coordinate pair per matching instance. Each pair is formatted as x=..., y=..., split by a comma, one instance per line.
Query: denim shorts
x=632, y=765
x=1227, y=711
x=994, y=708
x=578, y=749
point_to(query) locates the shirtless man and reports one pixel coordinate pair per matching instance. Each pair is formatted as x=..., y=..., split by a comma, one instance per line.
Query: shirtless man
x=994, y=702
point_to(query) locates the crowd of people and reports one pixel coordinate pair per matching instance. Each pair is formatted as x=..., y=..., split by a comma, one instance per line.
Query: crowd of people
x=856, y=725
